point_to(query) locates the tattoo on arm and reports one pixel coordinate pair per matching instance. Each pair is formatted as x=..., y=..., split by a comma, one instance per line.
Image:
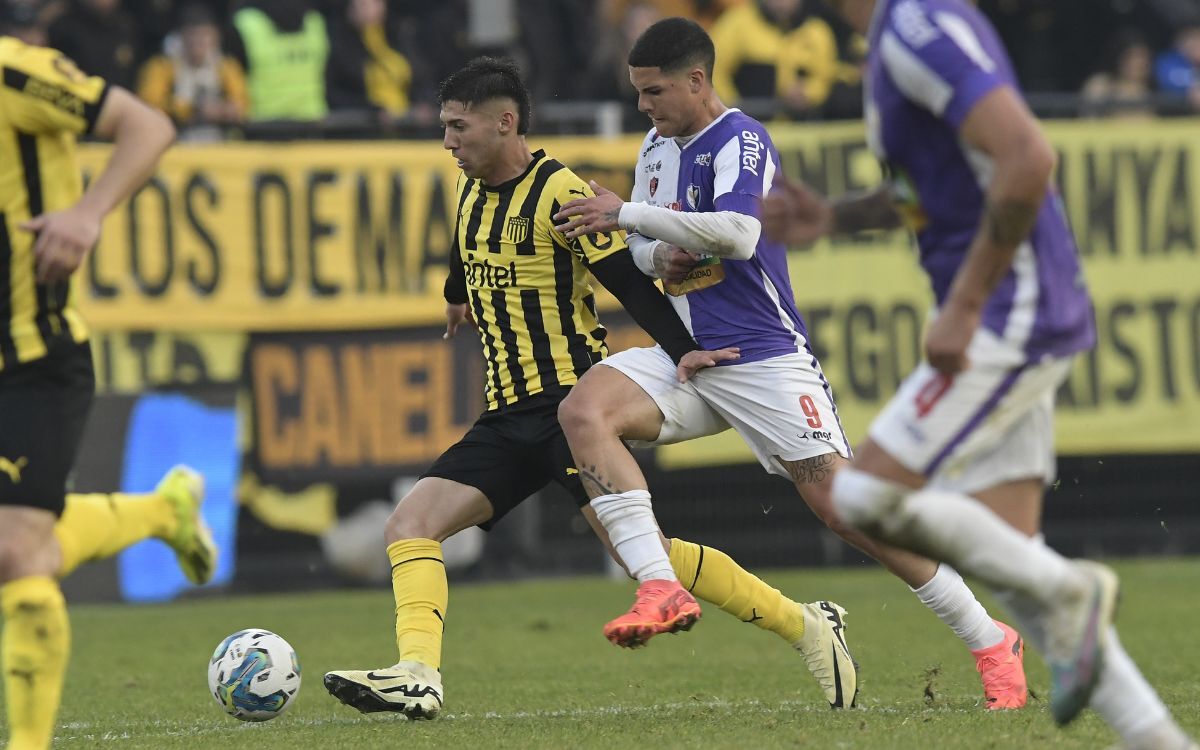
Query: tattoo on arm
x=813, y=470
x=859, y=212
x=1010, y=222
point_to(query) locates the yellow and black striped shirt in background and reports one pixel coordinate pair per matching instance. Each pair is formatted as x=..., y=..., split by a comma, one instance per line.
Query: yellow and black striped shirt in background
x=45, y=102
x=526, y=285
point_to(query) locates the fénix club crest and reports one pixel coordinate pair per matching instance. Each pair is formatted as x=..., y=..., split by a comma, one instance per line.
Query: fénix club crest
x=517, y=229
x=653, y=186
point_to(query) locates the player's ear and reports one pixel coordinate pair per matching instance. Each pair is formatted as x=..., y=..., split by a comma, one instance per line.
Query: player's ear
x=696, y=80
x=508, y=122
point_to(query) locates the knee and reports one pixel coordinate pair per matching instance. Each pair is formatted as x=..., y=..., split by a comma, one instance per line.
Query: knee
x=580, y=414
x=863, y=501
x=403, y=525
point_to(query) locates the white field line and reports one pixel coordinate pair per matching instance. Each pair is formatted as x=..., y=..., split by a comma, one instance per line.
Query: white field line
x=115, y=732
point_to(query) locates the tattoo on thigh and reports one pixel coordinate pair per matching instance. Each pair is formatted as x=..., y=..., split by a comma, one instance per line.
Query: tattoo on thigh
x=813, y=470
x=595, y=484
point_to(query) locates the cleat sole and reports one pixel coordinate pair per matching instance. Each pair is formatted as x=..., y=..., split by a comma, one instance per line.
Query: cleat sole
x=366, y=701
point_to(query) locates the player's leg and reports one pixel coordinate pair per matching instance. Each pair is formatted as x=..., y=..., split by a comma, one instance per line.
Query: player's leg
x=474, y=483
x=97, y=526
x=613, y=402
x=935, y=423
x=433, y=511
x=1123, y=697
x=997, y=648
x=45, y=405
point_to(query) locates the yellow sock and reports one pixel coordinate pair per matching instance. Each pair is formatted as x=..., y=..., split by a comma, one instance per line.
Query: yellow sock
x=713, y=576
x=33, y=648
x=93, y=527
x=419, y=584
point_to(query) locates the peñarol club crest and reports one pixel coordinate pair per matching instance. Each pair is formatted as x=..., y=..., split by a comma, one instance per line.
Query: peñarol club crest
x=517, y=229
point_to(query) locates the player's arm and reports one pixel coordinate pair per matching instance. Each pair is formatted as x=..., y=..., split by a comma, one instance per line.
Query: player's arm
x=796, y=215
x=455, y=289
x=140, y=135
x=1003, y=128
x=648, y=306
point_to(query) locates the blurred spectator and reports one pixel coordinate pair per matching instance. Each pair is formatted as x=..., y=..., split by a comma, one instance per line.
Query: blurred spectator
x=775, y=49
x=556, y=39
x=284, y=46
x=704, y=12
x=1178, y=69
x=1123, y=88
x=193, y=82
x=364, y=71
x=100, y=37
x=21, y=20
x=607, y=78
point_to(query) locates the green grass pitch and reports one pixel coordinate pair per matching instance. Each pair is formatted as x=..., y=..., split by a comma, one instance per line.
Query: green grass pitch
x=527, y=667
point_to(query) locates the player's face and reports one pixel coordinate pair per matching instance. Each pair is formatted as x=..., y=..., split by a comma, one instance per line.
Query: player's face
x=673, y=101
x=472, y=134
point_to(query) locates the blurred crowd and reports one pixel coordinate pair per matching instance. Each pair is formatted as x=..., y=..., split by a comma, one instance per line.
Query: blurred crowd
x=212, y=64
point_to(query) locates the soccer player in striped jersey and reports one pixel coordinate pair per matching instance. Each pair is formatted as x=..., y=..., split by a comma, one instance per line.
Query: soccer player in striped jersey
x=701, y=175
x=955, y=465
x=48, y=224
x=526, y=288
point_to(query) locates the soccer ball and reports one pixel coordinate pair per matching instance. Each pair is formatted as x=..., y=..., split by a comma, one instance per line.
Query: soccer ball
x=254, y=675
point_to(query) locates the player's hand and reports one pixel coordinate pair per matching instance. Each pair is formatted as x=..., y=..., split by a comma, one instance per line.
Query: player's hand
x=695, y=361
x=456, y=315
x=948, y=338
x=672, y=263
x=796, y=215
x=64, y=239
x=590, y=215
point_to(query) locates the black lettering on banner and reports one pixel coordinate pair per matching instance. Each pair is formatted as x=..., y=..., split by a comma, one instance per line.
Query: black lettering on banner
x=318, y=229
x=860, y=346
x=815, y=319
x=1194, y=341
x=1164, y=310
x=438, y=228
x=1179, y=218
x=1100, y=202
x=1121, y=311
x=1145, y=164
x=164, y=249
x=904, y=336
x=200, y=186
x=270, y=186
x=141, y=343
x=378, y=239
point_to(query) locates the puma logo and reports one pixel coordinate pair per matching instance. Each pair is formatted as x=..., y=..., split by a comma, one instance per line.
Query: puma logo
x=13, y=468
x=573, y=191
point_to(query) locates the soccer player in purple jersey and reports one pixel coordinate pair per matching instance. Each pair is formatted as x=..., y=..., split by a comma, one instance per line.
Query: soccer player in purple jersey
x=701, y=175
x=969, y=171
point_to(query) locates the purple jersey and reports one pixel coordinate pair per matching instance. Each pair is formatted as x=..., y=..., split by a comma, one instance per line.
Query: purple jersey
x=728, y=166
x=930, y=62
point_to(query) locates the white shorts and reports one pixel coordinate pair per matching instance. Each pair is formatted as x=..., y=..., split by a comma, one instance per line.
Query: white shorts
x=782, y=407
x=990, y=424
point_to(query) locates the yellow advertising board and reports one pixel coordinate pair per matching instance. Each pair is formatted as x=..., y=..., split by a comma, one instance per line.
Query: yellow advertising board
x=310, y=236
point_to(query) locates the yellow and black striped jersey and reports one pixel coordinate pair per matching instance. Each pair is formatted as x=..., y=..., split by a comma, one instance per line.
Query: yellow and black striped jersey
x=45, y=102
x=527, y=286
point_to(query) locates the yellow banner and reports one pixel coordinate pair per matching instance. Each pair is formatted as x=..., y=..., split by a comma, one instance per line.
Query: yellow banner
x=236, y=237
x=241, y=236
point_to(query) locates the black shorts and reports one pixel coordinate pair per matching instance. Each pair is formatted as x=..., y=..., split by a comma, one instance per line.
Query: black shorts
x=512, y=453
x=43, y=409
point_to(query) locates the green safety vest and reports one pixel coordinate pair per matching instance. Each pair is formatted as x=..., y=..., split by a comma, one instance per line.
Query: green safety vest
x=286, y=74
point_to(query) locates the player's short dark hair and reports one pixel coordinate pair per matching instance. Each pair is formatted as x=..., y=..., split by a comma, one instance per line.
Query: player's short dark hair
x=487, y=78
x=674, y=44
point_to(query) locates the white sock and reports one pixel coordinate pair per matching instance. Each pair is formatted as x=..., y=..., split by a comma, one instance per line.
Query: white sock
x=1123, y=698
x=965, y=533
x=954, y=604
x=629, y=520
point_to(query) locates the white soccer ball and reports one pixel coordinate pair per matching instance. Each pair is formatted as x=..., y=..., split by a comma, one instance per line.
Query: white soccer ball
x=254, y=675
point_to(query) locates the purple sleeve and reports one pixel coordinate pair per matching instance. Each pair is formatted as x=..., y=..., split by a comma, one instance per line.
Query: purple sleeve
x=946, y=62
